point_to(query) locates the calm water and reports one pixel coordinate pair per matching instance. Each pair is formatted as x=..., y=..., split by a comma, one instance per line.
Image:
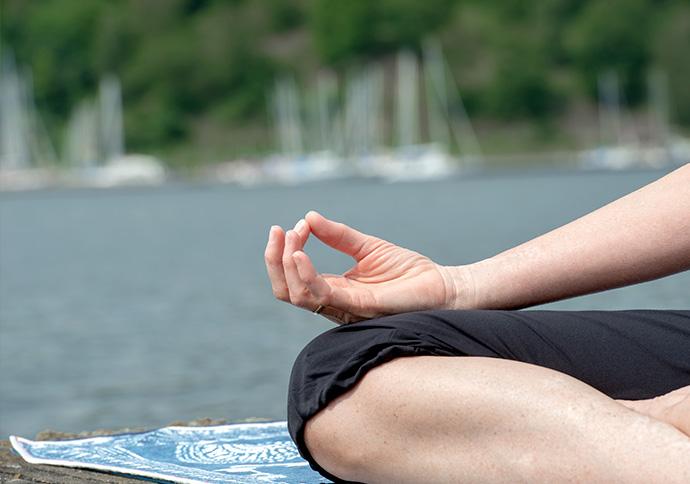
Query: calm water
x=130, y=308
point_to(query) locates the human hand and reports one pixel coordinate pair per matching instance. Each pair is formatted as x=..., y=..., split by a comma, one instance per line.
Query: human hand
x=386, y=279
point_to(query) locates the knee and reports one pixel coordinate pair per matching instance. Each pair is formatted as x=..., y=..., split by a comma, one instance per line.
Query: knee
x=353, y=435
x=334, y=438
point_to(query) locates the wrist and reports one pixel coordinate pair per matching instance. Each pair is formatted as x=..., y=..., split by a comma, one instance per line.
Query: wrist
x=461, y=287
x=489, y=284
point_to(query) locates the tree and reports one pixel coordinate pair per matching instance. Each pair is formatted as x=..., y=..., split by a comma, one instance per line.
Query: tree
x=672, y=48
x=521, y=85
x=54, y=36
x=613, y=35
x=342, y=30
x=356, y=29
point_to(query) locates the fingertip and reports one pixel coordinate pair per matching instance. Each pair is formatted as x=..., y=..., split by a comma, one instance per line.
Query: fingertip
x=300, y=258
x=318, y=224
x=274, y=244
x=273, y=231
x=289, y=236
x=299, y=225
x=313, y=215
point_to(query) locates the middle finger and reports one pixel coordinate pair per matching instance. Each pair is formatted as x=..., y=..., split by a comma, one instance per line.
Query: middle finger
x=299, y=294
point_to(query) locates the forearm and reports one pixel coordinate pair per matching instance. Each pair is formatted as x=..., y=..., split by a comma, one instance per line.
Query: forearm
x=640, y=237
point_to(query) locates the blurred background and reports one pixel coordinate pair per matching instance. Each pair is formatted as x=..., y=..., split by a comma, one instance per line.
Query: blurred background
x=206, y=86
x=146, y=146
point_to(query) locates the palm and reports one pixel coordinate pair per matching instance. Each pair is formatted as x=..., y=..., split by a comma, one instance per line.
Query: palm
x=389, y=280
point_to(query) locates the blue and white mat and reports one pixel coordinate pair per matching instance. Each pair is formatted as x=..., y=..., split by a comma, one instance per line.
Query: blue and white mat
x=237, y=453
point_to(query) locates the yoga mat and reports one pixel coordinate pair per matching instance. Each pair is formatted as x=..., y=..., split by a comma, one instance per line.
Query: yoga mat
x=249, y=453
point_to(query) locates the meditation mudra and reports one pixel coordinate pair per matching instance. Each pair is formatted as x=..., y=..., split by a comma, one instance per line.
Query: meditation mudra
x=439, y=374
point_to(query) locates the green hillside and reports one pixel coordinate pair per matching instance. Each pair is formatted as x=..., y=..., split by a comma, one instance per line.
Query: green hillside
x=196, y=73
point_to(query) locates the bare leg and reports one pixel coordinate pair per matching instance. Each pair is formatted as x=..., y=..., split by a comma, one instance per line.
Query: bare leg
x=672, y=408
x=480, y=420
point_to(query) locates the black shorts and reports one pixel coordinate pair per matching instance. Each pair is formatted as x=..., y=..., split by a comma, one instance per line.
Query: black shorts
x=624, y=354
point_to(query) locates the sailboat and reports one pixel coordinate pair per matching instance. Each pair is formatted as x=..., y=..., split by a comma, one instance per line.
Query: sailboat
x=413, y=160
x=324, y=139
x=27, y=156
x=621, y=147
x=304, y=153
x=95, y=148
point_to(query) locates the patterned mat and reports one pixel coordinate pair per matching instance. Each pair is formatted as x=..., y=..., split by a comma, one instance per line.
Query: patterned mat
x=237, y=453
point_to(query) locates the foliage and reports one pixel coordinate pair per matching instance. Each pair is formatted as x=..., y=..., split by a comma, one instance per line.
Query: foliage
x=613, y=35
x=672, y=58
x=284, y=15
x=52, y=36
x=352, y=20
x=521, y=89
x=185, y=60
x=362, y=28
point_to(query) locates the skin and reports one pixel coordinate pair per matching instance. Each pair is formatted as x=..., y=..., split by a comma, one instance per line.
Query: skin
x=640, y=237
x=486, y=420
x=673, y=408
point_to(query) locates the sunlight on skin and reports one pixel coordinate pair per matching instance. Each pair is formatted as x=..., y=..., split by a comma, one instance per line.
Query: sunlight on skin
x=672, y=408
x=493, y=421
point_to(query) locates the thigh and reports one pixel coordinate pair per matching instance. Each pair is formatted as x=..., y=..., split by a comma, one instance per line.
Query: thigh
x=487, y=420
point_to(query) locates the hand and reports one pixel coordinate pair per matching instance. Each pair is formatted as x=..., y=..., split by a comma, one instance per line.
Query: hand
x=385, y=280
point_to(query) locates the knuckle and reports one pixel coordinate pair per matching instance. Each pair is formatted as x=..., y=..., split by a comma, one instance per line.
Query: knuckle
x=303, y=300
x=324, y=301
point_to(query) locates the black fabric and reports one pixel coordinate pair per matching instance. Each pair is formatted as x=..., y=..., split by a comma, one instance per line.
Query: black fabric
x=624, y=354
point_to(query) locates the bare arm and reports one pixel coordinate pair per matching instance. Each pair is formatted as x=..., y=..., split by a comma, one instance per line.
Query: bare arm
x=642, y=236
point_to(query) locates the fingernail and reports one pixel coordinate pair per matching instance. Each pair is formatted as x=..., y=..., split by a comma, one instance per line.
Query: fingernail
x=299, y=225
x=296, y=259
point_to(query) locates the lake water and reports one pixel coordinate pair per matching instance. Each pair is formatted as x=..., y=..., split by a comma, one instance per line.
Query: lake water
x=138, y=307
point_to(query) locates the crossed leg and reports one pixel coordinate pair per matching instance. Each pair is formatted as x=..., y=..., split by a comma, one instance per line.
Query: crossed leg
x=674, y=408
x=484, y=420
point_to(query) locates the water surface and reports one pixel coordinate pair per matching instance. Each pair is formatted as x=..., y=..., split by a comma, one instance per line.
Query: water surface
x=138, y=307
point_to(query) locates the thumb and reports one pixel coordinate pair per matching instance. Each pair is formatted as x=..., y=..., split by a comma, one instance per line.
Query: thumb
x=341, y=237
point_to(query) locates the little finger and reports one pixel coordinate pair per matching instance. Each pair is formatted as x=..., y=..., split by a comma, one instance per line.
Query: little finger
x=273, y=256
